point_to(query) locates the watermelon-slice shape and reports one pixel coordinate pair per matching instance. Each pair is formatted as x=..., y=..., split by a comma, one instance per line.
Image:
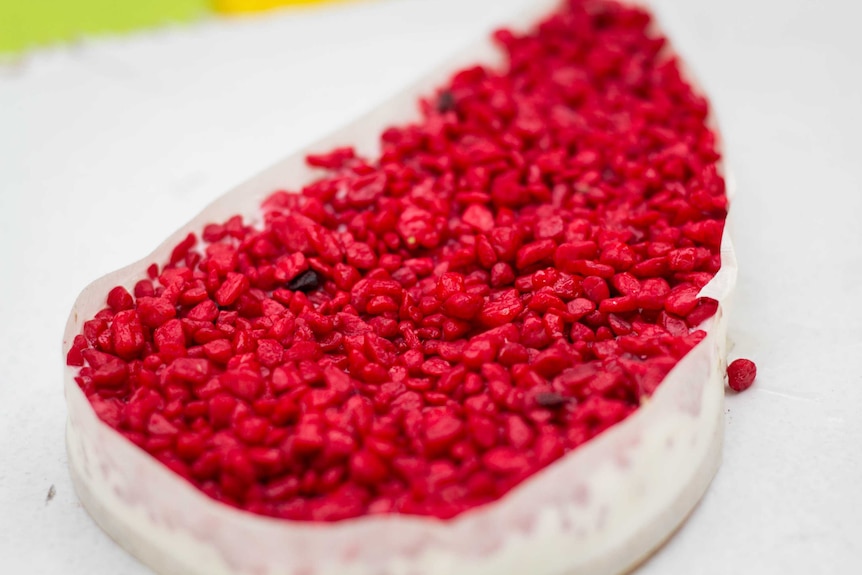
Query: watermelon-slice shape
x=600, y=508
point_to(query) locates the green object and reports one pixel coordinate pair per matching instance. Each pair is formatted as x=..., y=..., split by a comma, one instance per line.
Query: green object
x=29, y=23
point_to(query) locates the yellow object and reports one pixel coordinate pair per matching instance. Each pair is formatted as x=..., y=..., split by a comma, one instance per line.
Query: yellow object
x=243, y=6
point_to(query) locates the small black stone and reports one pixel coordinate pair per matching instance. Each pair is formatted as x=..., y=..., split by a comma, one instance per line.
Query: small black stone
x=305, y=282
x=603, y=19
x=446, y=102
x=551, y=399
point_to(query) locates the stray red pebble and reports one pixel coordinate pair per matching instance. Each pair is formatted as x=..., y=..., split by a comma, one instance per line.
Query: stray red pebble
x=741, y=374
x=419, y=332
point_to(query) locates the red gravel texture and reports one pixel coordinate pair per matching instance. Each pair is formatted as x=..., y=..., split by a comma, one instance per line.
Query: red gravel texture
x=419, y=332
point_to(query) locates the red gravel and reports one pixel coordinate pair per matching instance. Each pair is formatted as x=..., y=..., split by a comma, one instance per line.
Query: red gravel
x=420, y=332
x=741, y=374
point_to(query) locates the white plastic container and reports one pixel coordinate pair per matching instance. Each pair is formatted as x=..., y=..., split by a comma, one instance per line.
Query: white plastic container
x=599, y=510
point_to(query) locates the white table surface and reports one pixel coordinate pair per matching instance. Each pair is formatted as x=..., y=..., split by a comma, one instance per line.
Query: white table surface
x=109, y=145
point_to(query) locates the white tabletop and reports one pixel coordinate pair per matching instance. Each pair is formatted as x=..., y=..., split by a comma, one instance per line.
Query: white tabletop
x=109, y=145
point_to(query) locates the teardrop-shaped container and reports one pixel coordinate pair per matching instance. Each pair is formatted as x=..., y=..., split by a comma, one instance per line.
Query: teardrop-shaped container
x=599, y=510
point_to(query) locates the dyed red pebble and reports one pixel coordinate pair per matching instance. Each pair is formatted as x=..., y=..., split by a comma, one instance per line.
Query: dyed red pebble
x=74, y=356
x=119, y=299
x=155, y=311
x=441, y=429
x=127, y=334
x=231, y=289
x=462, y=306
x=741, y=374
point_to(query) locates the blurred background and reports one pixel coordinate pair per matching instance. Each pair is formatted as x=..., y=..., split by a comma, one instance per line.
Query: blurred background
x=119, y=121
x=33, y=23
